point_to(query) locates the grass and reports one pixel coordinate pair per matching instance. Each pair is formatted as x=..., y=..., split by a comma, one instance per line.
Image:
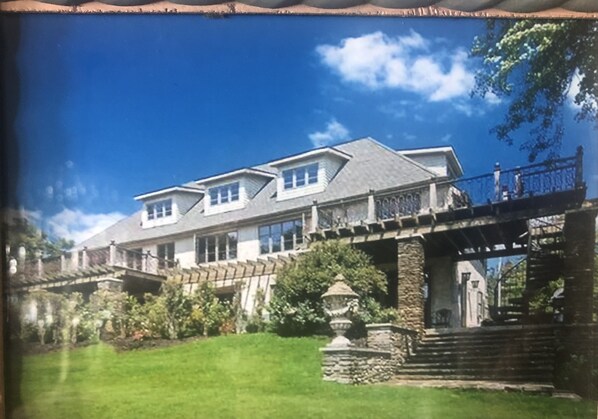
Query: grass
x=246, y=376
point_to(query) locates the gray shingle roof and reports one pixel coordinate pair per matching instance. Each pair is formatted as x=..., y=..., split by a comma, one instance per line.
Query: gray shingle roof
x=373, y=166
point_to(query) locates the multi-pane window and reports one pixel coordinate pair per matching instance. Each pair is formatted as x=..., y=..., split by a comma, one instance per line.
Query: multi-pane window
x=165, y=255
x=159, y=209
x=215, y=248
x=279, y=237
x=224, y=194
x=300, y=176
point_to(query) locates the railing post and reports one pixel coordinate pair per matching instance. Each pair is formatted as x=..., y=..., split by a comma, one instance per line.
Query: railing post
x=371, y=207
x=22, y=255
x=62, y=262
x=75, y=260
x=112, y=253
x=144, y=258
x=40, y=264
x=497, y=189
x=579, y=167
x=84, y=262
x=433, y=196
x=314, y=217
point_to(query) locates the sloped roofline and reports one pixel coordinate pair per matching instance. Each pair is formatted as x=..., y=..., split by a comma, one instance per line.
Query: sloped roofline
x=235, y=173
x=407, y=159
x=449, y=151
x=171, y=189
x=311, y=153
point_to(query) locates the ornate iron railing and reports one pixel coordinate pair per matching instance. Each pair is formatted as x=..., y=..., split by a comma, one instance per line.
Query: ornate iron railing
x=343, y=214
x=522, y=182
x=399, y=204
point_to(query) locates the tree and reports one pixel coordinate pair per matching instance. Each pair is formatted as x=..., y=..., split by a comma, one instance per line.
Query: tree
x=296, y=307
x=539, y=65
x=20, y=232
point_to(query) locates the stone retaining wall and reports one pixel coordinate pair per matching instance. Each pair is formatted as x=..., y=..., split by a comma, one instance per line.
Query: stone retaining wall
x=352, y=365
x=387, y=348
x=399, y=341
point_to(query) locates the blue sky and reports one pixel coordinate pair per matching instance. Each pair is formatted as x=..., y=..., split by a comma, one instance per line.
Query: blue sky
x=107, y=107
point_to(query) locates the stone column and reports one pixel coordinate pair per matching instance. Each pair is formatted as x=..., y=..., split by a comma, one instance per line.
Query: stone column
x=579, y=235
x=411, y=282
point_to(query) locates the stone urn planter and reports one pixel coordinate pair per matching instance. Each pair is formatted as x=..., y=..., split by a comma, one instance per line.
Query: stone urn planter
x=339, y=301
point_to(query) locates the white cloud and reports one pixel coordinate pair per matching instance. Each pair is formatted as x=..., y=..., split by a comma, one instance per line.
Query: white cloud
x=378, y=61
x=409, y=137
x=334, y=132
x=492, y=99
x=78, y=226
x=446, y=138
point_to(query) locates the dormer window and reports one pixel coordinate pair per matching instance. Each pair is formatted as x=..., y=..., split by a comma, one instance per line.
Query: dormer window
x=224, y=194
x=159, y=209
x=300, y=176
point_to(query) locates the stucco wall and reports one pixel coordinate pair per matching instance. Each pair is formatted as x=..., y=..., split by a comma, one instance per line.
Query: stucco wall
x=248, y=247
x=446, y=290
x=473, y=316
x=184, y=251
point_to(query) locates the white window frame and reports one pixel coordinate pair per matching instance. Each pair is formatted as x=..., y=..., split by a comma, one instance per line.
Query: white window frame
x=297, y=238
x=301, y=176
x=224, y=194
x=159, y=209
x=217, y=247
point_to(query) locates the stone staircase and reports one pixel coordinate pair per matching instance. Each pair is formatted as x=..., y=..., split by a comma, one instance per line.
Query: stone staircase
x=521, y=354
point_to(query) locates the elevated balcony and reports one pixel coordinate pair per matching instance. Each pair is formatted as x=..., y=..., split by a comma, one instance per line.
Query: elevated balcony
x=540, y=189
x=88, y=266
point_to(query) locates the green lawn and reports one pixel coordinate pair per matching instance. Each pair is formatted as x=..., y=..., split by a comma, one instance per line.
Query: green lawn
x=247, y=376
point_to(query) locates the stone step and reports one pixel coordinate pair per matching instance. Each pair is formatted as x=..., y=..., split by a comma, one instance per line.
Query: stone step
x=538, y=371
x=528, y=345
x=465, y=370
x=536, y=379
x=479, y=368
x=448, y=356
x=486, y=330
x=514, y=359
x=496, y=339
x=495, y=385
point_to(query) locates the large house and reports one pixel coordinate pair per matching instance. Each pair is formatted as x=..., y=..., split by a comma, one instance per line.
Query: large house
x=262, y=216
x=426, y=227
x=423, y=224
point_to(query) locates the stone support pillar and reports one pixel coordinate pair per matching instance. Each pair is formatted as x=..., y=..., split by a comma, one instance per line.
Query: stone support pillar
x=411, y=299
x=579, y=235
